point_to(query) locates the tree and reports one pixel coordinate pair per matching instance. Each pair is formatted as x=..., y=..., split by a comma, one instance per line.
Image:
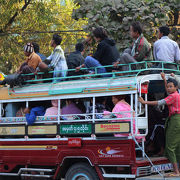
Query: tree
x=34, y=20
x=116, y=16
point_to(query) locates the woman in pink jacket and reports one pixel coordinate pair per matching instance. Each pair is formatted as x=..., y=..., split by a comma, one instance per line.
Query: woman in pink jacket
x=52, y=111
x=122, y=110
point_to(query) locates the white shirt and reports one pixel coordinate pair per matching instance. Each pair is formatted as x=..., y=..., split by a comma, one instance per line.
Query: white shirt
x=58, y=62
x=166, y=50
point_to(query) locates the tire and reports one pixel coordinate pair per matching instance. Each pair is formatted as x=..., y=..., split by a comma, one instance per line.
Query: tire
x=81, y=171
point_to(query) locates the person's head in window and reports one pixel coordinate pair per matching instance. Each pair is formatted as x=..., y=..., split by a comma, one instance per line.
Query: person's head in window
x=116, y=99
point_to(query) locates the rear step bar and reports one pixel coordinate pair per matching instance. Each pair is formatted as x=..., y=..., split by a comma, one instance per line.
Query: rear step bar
x=106, y=175
x=36, y=175
x=145, y=155
x=119, y=176
x=30, y=170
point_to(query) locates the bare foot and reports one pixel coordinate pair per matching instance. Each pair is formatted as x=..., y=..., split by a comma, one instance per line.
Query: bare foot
x=173, y=175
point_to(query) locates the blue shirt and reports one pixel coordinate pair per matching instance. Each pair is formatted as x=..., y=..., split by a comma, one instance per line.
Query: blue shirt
x=166, y=50
x=36, y=111
x=42, y=56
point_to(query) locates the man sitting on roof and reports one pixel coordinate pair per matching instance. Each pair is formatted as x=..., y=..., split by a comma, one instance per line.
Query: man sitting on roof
x=139, y=51
x=32, y=61
x=29, y=66
x=75, y=59
x=165, y=49
x=106, y=53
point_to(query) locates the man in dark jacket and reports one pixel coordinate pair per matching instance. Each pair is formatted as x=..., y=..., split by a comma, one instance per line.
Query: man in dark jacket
x=106, y=53
x=75, y=59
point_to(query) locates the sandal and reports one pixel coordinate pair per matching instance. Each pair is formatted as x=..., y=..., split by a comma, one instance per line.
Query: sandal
x=173, y=175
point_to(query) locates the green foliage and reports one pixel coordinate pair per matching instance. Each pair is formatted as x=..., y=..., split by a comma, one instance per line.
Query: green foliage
x=117, y=15
x=25, y=21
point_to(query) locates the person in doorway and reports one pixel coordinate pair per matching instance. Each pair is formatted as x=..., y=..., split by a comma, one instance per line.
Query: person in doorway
x=172, y=126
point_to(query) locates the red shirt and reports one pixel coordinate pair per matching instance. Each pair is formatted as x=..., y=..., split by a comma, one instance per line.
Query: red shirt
x=173, y=102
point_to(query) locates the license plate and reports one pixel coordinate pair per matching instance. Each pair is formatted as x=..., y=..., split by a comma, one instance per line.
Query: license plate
x=162, y=167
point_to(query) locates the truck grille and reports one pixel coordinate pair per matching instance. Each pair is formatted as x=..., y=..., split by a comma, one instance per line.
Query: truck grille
x=143, y=171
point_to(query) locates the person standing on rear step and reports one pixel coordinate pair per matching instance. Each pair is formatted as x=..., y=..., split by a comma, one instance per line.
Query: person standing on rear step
x=172, y=125
x=139, y=51
x=106, y=53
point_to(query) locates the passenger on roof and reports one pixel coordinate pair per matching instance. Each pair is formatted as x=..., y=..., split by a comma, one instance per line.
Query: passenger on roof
x=32, y=61
x=29, y=66
x=75, y=59
x=57, y=60
x=165, y=49
x=106, y=53
x=36, y=50
x=43, y=67
x=140, y=49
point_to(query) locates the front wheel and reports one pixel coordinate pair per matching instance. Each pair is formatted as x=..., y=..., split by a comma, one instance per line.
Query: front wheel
x=81, y=171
